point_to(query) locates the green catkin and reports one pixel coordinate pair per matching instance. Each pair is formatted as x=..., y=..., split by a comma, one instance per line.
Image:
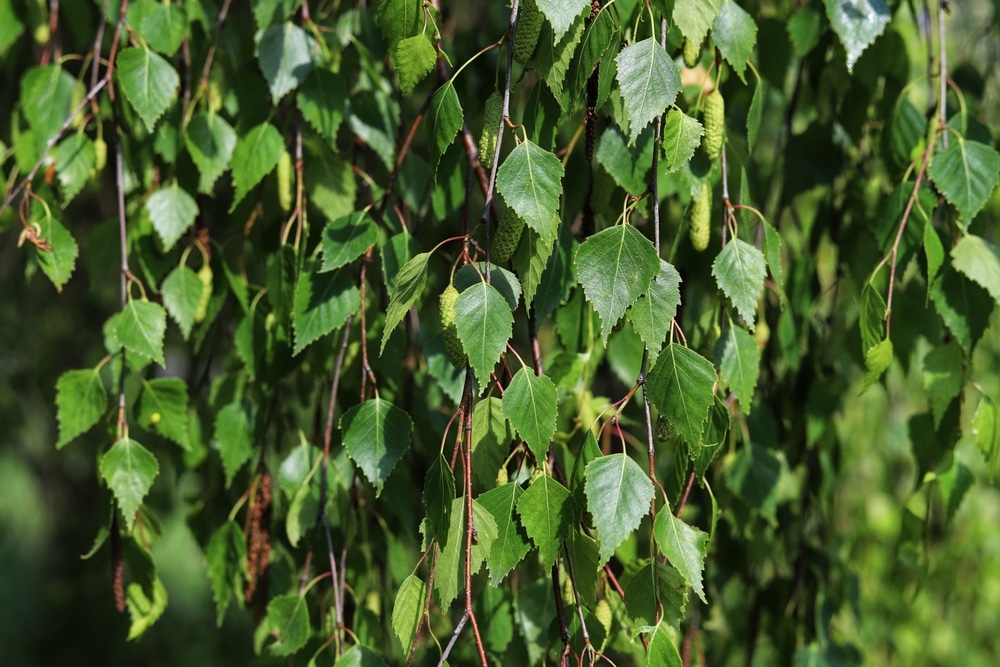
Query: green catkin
x=715, y=118
x=285, y=181
x=205, y=276
x=692, y=50
x=507, y=236
x=491, y=126
x=449, y=332
x=529, y=25
x=701, y=213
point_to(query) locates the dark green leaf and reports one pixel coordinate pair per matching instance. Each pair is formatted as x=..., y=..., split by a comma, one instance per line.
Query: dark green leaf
x=664, y=645
x=753, y=474
x=511, y=543
x=964, y=306
x=445, y=117
x=439, y=492
x=74, y=162
x=546, y=511
x=618, y=496
x=288, y=620
x=80, y=403
x=685, y=546
x=740, y=270
x=149, y=82
x=236, y=436
x=530, y=401
x=681, y=386
x=129, y=470
x=323, y=303
x=484, y=322
x=322, y=99
x=491, y=438
x=163, y=407
x=530, y=180
x=652, y=314
x=740, y=365
x=226, y=558
x=966, y=173
x=943, y=373
x=182, y=295
x=255, y=155
x=376, y=435
x=172, y=211
x=755, y=113
x=410, y=283
x=210, y=141
x=446, y=574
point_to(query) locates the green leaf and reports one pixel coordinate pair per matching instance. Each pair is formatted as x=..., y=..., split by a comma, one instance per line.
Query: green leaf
x=511, y=543
x=286, y=54
x=805, y=27
x=322, y=99
x=628, y=166
x=942, y=374
x=74, y=161
x=439, y=491
x=772, y=251
x=484, y=322
x=986, y=433
x=615, y=266
x=685, y=546
x=129, y=470
x=11, y=27
x=963, y=305
x=739, y=271
x=330, y=185
x=288, y=620
x=210, y=141
x=878, y=358
x=546, y=511
x=600, y=35
x=172, y=211
x=226, y=555
x=376, y=435
x=530, y=180
x=165, y=27
x=681, y=387
x=491, y=438
x=753, y=474
x=359, y=656
x=530, y=261
x=399, y=19
x=857, y=23
x=755, y=113
x=966, y=173
x=410, y=283
x=664, y=641
x=501, y=279
x=872, y=317
x=649, y=82
x=182, y=294
x=553, y=56
x=934, y=252
x=266, y=12
x=561, y=13
x=445, y=116
x=144, y=609
x=163, y=406
x=955, y=484
x=255, y=155
x=323, y=303
x=141, y=328
x=695, y=17
x=652, y=313
x=735, y=34
x=58, y=264
x=414, y=58
x=485, y=534
x=740, y=365
x=530, y=401
x=446, y=574
x=80, y=402
x=235, y=436
x=47, y=96
x=681, y=137
x=655, y=591
x=408, y=608
x=149, y=82
x=618, y=496
x=979, y=259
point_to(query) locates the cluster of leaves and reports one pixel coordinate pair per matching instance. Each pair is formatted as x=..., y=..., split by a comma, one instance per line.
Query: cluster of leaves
x=292, y=184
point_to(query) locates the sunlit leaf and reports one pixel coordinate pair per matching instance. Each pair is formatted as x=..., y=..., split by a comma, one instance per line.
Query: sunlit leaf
x=979, y=259
x=530, y=401
x=857, y=23
x=286, y=53
x=210, y=141
x=128, y=468
x=734, y=32
x=561, y=13
x=530, y=180
x=695, y=17
x=649, y=83
x=149, y=82
x=141, y=328
x=484, y=322
x=652, y=313
x=681, y=386
x=288, y=620
x=681, y=137
x=685, y=546
x=986, y=432
x=740, y=270
x=323, y=303
x=172, y=211
x=414, y=58
x=408, y=608
x=410, y=283
x=878, y=358
x=943, y=372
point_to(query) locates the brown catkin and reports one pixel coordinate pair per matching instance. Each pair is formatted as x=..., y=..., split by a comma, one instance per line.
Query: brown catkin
x=506, y=239
x=449, y=332
x=529, y=26
x=492, y=114
x=701, y=213
x=715, y=119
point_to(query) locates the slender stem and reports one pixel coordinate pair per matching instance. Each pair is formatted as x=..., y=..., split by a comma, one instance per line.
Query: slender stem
x=942, y=74
x=454, y=637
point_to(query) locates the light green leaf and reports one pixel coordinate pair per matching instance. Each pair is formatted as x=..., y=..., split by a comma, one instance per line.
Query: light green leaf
x=74, y=161
x=511, y=543
x=414, y=58
x=445, y=116
x=857, y=23
x=501, y=279
x=484, y=537
x=288, y=620
x=740, y=365
x=266, y=12
x=878, y=358
x=182, y=295
x=629, y=167
x=163, y=407
x=399, y=19
x=165, y=27
x=286, y=54
x=47, y=96
x=615, y=267
x=681, y=387
x=553, y=56
x=561, y=13
x=255, y=155
x=772, y=251
x=235, y=436
x=681, y=138
x=530, y=402
x=652, y=314
x=649, y=82
x=410, y=283
x=530, y=180
x=322, y=99
x=141, y=328
x=323, y=303
x=695, y=17
x=618, y=496
x=664, y=643
x=986, y=433
x=172, y=211
x=143, y=610
x=966, y=173
x=359, y=655
x=735, y=34
x=58, y=264
x=226, y=555
x=376, y=435
x=484, y=322
x=129, y=470
x=80, y=402
x=739, y=271
x=934, y=252
x=872, y=317
x=546, y=511
x=979, y=259
x=408, y=609
x=11, y=26
x=446, y=574
x=943, y=372
x=491, y=438
x=210, y=141
x=149, y=82
x=685, y=546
